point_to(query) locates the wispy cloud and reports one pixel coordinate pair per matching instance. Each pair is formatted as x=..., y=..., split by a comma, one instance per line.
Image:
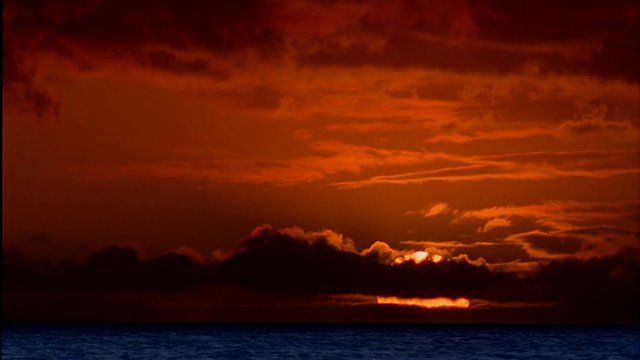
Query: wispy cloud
x=523, y=166
x=548, y=230
x=564, y=216
x=432, y=210
x=333, y=158
x=495, y=223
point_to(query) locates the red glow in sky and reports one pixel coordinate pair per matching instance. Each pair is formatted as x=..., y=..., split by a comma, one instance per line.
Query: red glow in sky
x=312, y=148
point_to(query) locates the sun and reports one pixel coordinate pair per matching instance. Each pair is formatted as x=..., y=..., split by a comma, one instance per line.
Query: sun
x=417, y=257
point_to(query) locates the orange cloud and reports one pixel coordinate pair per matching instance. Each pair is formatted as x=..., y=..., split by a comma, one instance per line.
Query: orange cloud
x=340, y=158
x=495, y=223
x=580, y=243
x=334, y=239
x=551, y=230
x=525, y=166
x=567, y=215
x=497, y=134
x=189, y=252
x=382, y=251
x=432, y=210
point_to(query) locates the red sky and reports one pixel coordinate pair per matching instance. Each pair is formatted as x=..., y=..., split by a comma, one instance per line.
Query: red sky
x=296, y=148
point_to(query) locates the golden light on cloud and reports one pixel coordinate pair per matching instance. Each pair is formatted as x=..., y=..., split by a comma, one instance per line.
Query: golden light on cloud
x=440, y=302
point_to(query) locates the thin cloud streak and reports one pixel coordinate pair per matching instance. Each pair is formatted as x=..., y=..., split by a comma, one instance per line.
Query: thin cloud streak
x=341, y=158
x=524, y=166
x=353, y=159
x=566, y=215
x=552, y=230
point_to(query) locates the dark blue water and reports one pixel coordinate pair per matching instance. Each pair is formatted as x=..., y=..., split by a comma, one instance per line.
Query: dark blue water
x=318, y=341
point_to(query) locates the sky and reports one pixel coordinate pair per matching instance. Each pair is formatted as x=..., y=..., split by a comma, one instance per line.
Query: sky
x=315, y=160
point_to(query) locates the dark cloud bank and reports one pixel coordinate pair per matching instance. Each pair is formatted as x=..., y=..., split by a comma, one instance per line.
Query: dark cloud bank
x=267, y=278
x=596, y=38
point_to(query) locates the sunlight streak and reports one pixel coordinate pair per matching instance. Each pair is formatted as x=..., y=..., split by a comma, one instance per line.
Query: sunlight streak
x=440, y=302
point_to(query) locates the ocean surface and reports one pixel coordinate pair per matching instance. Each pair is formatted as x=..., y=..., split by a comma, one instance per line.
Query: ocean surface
x=317, y=341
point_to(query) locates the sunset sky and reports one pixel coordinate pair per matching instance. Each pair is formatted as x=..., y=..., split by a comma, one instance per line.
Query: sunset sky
x=262, y=160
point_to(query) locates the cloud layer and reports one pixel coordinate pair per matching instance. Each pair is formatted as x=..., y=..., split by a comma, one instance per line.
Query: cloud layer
x=414, y=76
x=291, y=262
x=497, y=142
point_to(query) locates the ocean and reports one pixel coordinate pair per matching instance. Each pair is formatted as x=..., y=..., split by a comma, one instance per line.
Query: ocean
x=317, y=341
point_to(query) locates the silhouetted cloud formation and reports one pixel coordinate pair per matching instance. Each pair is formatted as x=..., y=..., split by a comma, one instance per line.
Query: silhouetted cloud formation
x=275, y=261
x=113, y=268
x=291, y=262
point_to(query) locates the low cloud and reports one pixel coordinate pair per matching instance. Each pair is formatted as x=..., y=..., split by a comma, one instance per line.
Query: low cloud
x=292, y=262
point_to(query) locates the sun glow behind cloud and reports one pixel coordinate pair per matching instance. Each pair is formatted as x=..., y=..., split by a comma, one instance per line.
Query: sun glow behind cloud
x=440, y=302
x=417, y=257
